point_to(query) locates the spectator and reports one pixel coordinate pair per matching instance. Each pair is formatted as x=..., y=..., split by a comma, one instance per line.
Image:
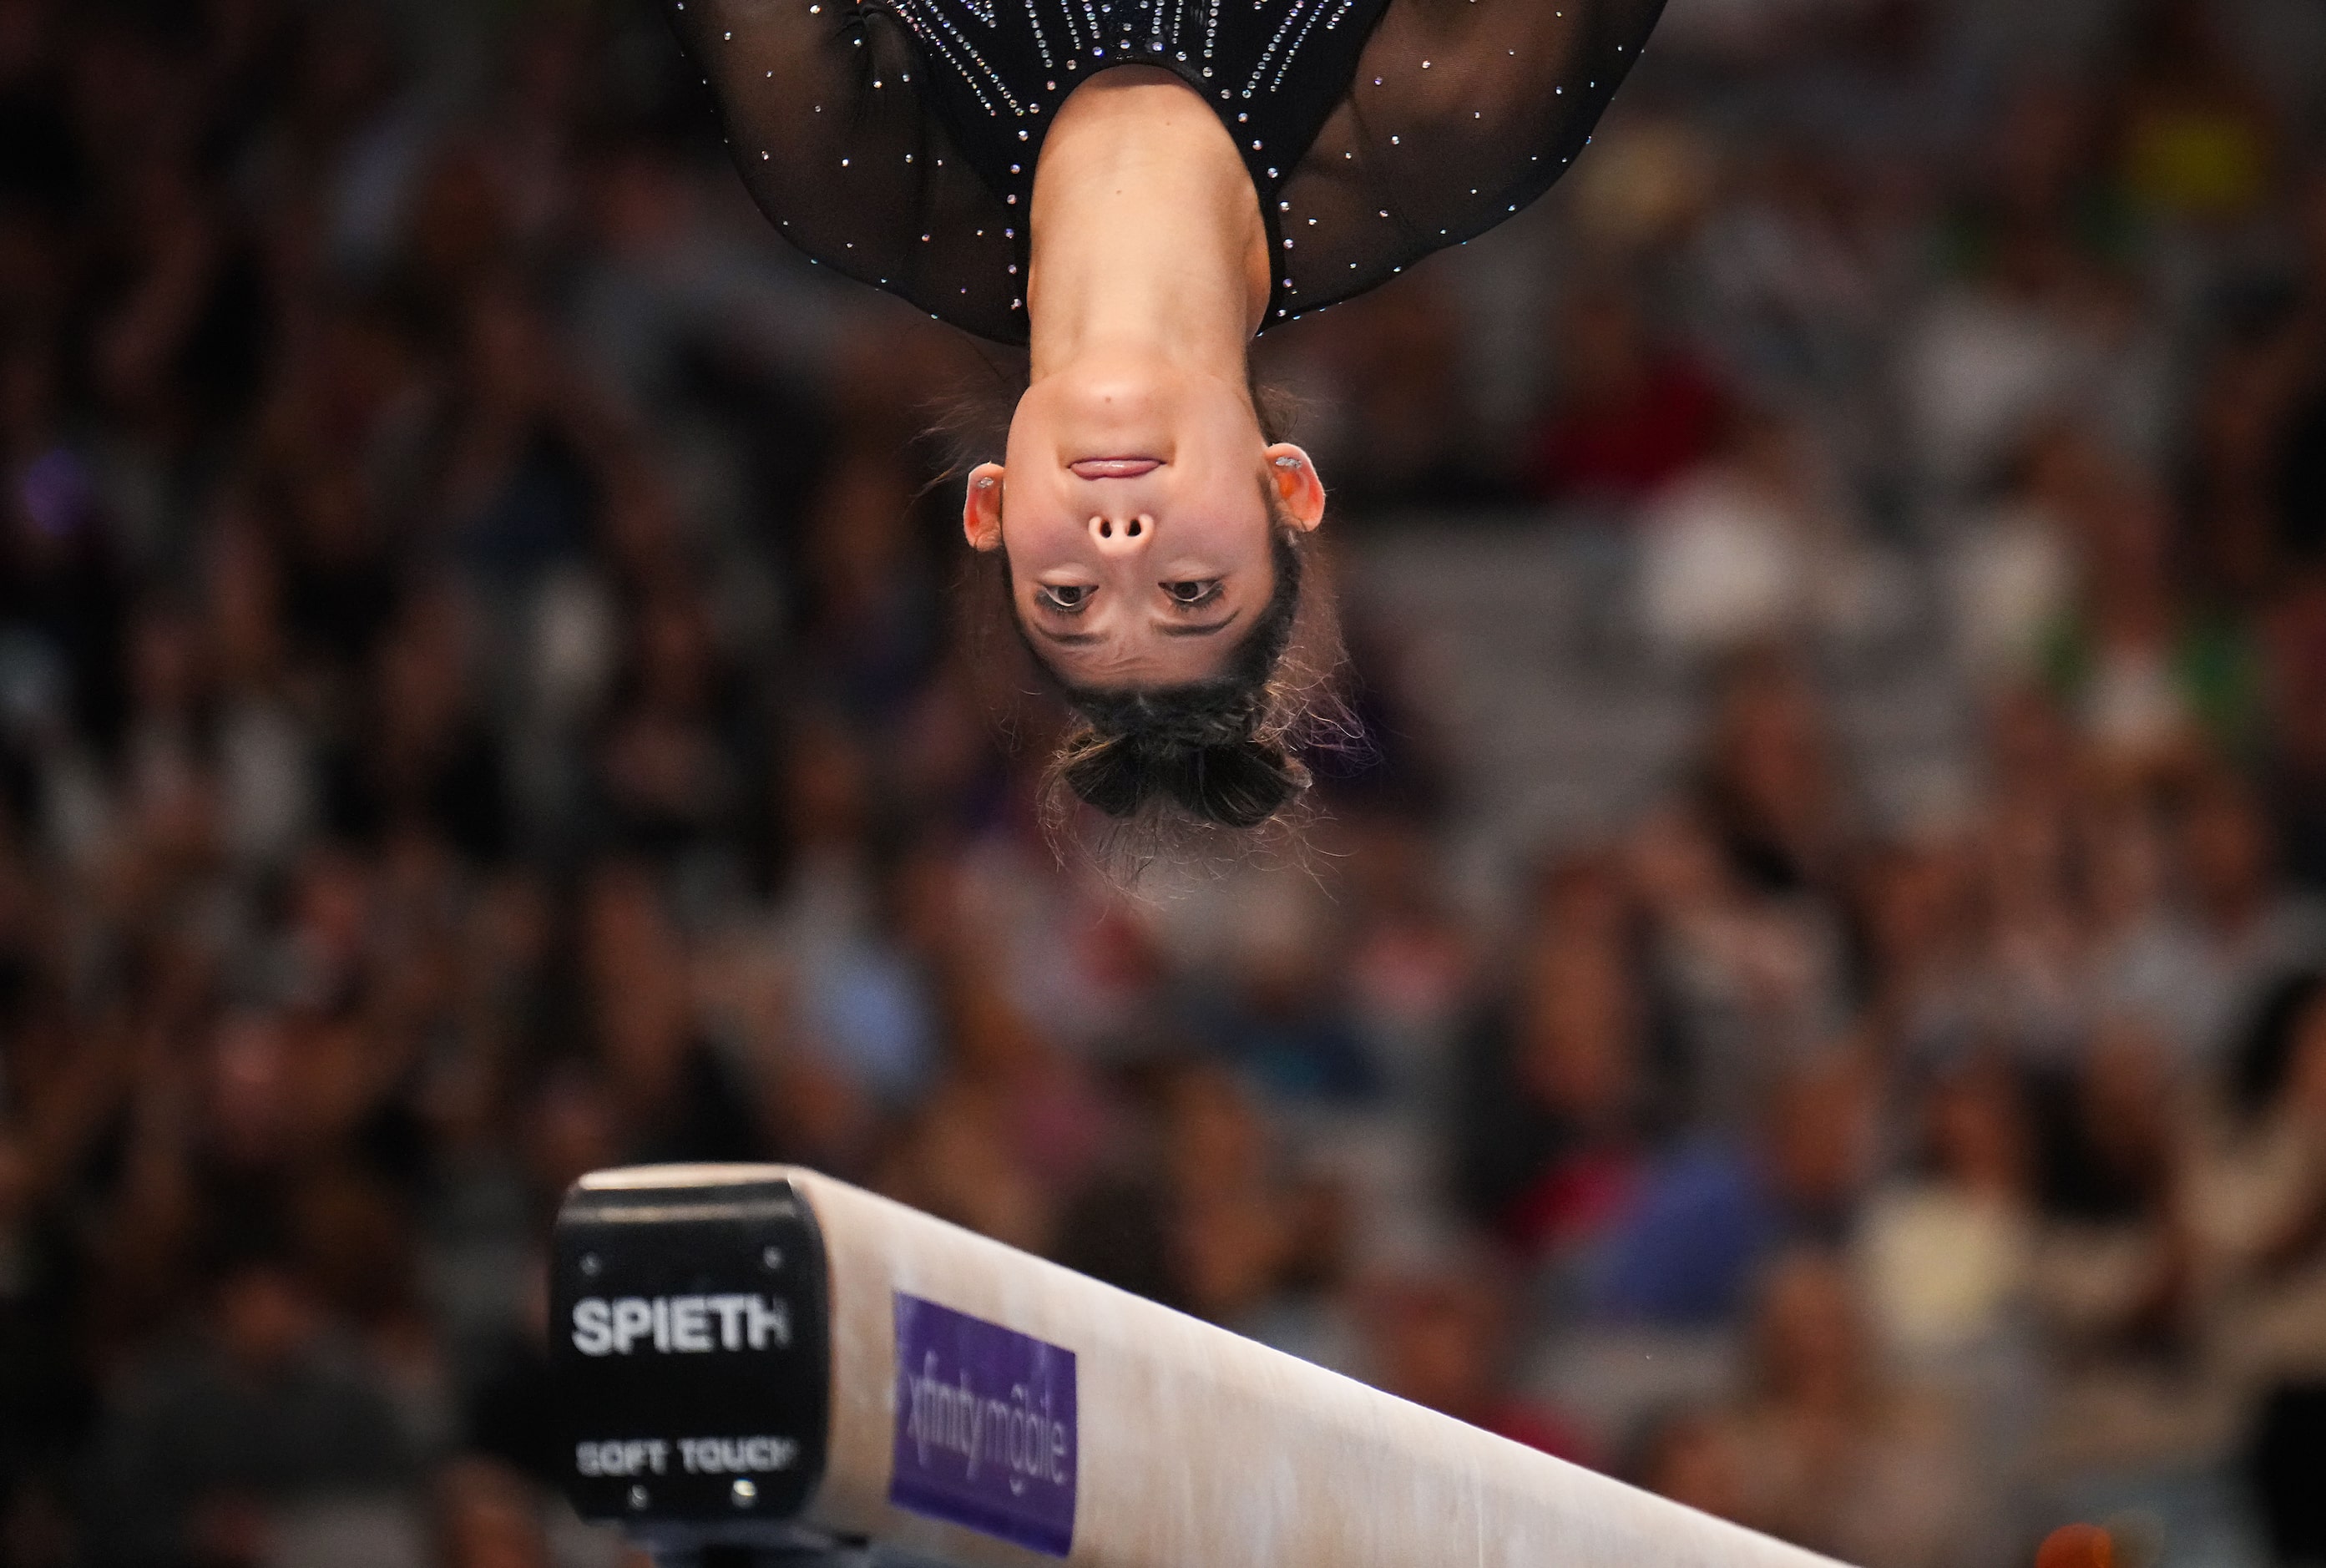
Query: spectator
x=1629, y=414
x=1702, y=1219
x=265, y=1409
x=1834, y=1453
x=1556, y=1099
x=2265, y=1205
x=1443, y=1343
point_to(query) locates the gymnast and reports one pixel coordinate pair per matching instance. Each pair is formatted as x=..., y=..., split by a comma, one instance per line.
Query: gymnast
x=1133, y=190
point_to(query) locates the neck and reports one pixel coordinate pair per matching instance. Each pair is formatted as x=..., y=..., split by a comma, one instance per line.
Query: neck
x=1146, y=235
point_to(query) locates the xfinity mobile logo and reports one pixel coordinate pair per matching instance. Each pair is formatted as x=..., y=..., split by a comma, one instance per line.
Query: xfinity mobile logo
x=680, y=1325
x=985, y=1432
x=1016, y=1435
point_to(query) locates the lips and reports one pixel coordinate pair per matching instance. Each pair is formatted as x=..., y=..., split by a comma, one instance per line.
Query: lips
x=1114, y=467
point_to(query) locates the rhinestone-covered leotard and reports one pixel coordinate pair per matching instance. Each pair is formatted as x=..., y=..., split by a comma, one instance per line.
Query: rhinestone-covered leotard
x=894, y=140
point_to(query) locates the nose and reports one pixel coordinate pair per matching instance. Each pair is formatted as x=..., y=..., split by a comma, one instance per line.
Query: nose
x=1122, y=536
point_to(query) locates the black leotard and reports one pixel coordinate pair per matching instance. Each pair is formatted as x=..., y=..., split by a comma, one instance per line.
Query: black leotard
x=894, y=140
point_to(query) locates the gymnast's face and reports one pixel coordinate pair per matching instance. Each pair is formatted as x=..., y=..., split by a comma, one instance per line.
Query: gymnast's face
x=1135, y=509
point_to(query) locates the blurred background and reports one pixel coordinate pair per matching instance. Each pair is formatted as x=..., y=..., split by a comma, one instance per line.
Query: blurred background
x=1806, y=995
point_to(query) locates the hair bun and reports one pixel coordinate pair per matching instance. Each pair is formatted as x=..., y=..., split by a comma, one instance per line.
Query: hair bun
x=1236, y=784
x=1106, y=775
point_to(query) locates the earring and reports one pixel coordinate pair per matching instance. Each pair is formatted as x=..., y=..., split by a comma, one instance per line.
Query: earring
x=985, y=484
x=1288, y=463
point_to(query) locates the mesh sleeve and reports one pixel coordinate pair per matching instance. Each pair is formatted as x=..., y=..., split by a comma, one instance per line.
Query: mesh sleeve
x=840, y=144
x=1461, y=113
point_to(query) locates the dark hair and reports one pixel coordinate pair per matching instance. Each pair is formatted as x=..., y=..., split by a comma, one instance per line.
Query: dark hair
x=2260, y=1071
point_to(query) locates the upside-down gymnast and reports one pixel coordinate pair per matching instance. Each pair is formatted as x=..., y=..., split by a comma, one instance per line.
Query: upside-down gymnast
x=1134, y=189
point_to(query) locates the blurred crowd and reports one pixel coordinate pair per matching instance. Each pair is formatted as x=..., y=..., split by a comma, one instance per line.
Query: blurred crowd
x=483, y=697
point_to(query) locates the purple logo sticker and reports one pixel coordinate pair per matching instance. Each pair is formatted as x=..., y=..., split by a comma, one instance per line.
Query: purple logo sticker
x=985, y=1427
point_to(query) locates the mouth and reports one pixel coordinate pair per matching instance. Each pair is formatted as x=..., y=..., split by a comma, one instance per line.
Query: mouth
x=1114, y=467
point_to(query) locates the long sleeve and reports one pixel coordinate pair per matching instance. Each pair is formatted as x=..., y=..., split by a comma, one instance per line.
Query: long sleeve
x=840, y=137
x=1460, y=114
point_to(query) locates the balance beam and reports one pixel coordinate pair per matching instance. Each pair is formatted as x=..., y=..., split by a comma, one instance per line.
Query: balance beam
x=763, y=1357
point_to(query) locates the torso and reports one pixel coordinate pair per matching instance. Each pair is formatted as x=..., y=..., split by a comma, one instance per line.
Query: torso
x=897, y=140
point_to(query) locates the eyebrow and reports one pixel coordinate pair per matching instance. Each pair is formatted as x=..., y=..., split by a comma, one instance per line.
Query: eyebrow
x=1177, y=629
x=1168, y=628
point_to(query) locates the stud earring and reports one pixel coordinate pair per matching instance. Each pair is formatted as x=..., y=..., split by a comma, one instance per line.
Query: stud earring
x=1288, y=463
x=985, y=484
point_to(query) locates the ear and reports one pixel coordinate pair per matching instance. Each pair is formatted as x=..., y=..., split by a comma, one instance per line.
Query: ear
x=980, y=507
x=1297, y=487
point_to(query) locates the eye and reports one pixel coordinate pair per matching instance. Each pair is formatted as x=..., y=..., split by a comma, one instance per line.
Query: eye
x=1066, y=598
x=1191, y=595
